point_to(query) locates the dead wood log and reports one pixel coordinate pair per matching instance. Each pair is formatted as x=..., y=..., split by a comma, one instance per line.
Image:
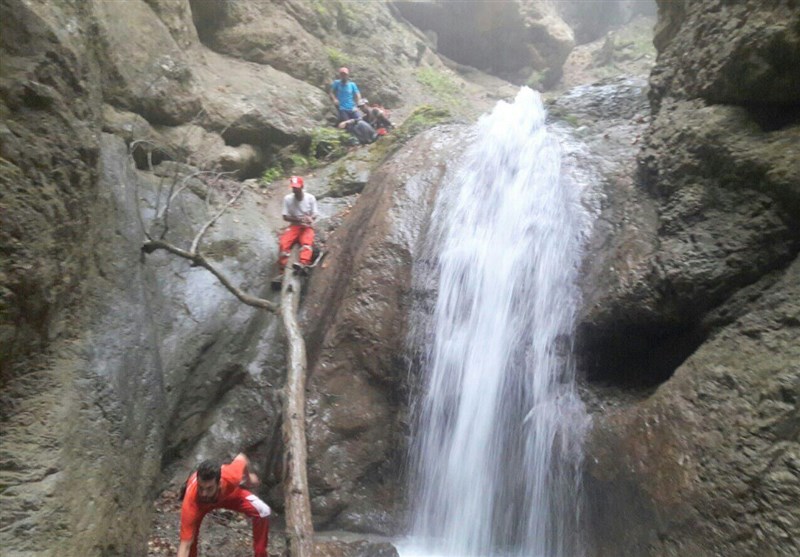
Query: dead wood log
x=299, y=528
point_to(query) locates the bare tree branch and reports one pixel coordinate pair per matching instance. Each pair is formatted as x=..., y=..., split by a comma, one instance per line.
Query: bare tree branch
x=199, y=260
x=299, y=526
x=205, y=227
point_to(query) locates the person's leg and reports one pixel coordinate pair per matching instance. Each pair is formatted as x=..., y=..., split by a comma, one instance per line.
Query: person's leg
x=349, y=114
x=306, y=240
x=260, y=536
x=285, y=243
x=248, y=504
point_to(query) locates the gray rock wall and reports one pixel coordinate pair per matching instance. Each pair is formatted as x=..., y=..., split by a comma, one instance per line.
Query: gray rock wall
x=706, y=463
x=356, y=327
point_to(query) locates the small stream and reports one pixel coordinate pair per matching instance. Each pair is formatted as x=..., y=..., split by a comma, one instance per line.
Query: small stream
x=496, y=451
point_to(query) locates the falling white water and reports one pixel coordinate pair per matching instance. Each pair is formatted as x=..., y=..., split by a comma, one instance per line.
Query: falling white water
x=497, y=442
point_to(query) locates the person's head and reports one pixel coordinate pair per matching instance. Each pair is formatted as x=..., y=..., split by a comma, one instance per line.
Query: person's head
x=208, y=474
x=296, y=183
x=344, y=73
x=363, y=104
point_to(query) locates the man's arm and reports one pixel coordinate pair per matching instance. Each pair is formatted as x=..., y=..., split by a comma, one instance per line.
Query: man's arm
x=293, y=220
x=190, y=525
x=249, y=479
x=331, y=95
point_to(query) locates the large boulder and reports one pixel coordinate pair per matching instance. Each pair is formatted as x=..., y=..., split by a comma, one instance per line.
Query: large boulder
x=48, y=158
x=310, y=40
x=747, y=52
x=695, y=294
x=157, y=347
x=144, y=68
x=355, y=316
x=508, y=39
x=250, y=103
x=710, y=464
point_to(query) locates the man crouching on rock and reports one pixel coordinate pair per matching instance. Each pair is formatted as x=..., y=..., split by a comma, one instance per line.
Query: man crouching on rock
x=222, y=487
x=300, y=211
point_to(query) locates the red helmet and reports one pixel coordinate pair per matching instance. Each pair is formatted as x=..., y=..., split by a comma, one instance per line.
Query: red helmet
x=344, y=70
x=296, y=182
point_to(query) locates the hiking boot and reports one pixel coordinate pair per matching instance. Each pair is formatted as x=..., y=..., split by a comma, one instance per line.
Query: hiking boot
x=300, y=269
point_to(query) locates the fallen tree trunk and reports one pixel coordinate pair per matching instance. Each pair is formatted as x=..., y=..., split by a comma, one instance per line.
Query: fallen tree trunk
x=299, y=528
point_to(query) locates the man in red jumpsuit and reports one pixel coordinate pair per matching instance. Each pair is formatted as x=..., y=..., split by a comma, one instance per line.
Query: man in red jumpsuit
x=221, y=487
x=300, y=211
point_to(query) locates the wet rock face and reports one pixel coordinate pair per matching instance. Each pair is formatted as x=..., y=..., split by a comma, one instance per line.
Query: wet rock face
x=311, y=40
x=49, y=152
x=355, y=320
x=591, y=20
x=728, y=52
x=710, y=463
x=508, y=39
x=705, y=290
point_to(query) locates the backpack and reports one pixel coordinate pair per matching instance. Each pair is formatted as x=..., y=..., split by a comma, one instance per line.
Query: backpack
x=364, y=132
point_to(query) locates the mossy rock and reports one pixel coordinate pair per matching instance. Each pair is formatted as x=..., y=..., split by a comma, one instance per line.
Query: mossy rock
x=423, y=118
x=328, y=143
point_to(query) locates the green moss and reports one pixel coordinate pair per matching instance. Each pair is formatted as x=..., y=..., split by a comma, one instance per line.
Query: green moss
x=423, y=117
x=336, y=57
x=328, y=143
x=439, y=83
x=536, y=80
x=299, y=161
x=271, y=174
x=559, y=113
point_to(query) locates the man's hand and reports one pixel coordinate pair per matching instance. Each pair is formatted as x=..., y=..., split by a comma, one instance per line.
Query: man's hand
x=306, y=220
x=252, y=479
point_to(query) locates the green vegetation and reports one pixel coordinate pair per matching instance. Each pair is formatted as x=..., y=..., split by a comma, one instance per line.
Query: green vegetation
x=300, y=161
x=337, y=57
x=423, y=118
x=444, y=87
x=559, y=113
x=271, y=174
x=536, y=80
x=439, y=83
x=324, y=17
x=328, y=143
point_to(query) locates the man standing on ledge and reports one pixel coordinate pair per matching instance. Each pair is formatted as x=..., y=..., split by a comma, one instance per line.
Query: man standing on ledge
x=300, y=211
x=345, y=95
x=222, y=487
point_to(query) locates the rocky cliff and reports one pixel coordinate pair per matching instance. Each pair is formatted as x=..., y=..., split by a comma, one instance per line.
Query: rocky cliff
x=694, y=292
x=120, y=371
x=116, y=366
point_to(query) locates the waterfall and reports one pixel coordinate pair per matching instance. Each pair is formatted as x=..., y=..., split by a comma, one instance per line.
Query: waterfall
x=496, y=452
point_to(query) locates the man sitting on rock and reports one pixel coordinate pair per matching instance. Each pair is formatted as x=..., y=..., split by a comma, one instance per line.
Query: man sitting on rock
x=345, y=95
x=222, y=487
x=375, y=115
x=362, y=131
x=300, y=211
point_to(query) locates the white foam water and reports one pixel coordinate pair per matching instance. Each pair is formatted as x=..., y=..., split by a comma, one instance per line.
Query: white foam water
x=496, y=450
